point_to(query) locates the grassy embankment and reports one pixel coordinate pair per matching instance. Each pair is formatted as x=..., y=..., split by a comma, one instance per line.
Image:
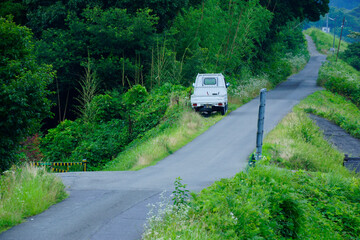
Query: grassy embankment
x=26, y=191
x=299, y=190
x=167, y=138
x=340, y=78
x=272, y=201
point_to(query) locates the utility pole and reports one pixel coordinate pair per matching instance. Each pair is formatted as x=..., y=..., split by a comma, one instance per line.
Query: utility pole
x=327, y=23
x=334, y=19
x=342, y=27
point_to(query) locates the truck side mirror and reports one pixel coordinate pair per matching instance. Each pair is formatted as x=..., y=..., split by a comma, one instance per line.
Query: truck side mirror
x=227, y=84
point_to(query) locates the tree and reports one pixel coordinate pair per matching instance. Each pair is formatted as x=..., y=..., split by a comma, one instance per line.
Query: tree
x=290, y=10
x=15, y=8
x=352, y=54
x=23, y=90
x=115, y=39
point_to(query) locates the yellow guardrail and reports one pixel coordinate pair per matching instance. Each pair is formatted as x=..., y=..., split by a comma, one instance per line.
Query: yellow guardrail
x=52, y=165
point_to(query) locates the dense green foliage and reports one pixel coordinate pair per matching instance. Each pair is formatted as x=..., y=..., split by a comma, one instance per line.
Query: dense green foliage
x=23, y=90
x=102, y=51
x=150, y=42
x=352, y=55
x=118, y=120
x=26, y=191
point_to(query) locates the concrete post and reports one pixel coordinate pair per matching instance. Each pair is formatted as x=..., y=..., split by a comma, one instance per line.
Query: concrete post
x=260, y=131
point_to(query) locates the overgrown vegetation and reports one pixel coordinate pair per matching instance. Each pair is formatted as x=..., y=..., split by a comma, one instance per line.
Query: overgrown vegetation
x=26, y=191
x=117, y=120
x=132, y=48
x=300, y=190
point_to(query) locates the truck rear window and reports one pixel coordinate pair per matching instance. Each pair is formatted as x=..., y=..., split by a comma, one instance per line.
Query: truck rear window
x=209, y=81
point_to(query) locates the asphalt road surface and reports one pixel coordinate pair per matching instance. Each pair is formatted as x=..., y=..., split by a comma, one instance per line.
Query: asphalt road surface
x=113, y=205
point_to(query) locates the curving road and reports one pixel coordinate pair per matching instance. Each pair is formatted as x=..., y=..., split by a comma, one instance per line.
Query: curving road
x=112, y=205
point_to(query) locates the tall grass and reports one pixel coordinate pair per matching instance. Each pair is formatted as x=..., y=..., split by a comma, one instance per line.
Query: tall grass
x=26, y=191
x=297, y=143
x=324, y=41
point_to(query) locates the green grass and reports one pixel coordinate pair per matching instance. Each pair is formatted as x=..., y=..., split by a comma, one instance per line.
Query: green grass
x=160, y=143
x=341, y=78
x=324, y=41
x=26, y=191
x=299, y=190
x=298, y=144
x=266, y=203
x=334, y=108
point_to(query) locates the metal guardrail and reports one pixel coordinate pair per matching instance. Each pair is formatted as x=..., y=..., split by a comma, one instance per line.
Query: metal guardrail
x=67, y=164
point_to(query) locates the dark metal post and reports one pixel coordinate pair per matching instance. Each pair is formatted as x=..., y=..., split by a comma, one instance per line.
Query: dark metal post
x=334, y=35
x=260, y=131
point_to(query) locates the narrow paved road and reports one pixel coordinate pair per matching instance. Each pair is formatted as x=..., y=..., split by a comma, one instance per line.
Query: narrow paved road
x=112, y=205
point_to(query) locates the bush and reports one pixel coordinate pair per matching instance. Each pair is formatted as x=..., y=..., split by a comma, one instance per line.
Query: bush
x=342, y=79
x=118, y=121
x=61, y=141
x=74, y=141
x=352, y=55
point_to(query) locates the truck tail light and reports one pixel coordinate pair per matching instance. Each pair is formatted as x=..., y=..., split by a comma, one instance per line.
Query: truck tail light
x=194, y=104
x=220, y=104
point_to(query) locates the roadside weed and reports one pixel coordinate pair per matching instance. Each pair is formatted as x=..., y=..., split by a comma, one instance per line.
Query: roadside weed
x=26, y=191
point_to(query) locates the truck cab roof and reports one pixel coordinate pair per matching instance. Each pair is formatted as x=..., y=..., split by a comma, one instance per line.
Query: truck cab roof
x=210, y=80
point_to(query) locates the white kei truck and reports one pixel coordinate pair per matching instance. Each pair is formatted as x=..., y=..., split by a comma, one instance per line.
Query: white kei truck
x=210, y=93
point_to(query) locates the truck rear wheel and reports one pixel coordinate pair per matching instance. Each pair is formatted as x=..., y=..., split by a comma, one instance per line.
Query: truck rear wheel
x=223, y=111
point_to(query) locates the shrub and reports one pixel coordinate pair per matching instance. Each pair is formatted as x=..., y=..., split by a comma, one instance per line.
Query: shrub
x=342, y=79
x=352, y=55
x=61, y=141
x=118, y=121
